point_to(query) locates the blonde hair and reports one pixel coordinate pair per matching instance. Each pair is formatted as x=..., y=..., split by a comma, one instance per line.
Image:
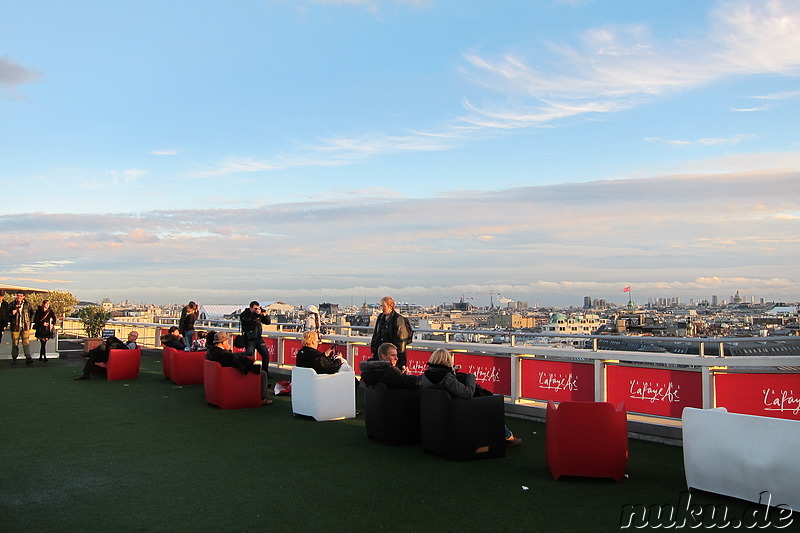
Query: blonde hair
x=441, y=357
x=388, y=300
x=309, y=337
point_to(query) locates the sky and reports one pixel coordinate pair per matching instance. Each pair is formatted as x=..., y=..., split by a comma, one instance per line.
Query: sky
x=339, y=151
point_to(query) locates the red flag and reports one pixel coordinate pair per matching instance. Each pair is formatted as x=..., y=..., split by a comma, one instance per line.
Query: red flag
x=627, y=289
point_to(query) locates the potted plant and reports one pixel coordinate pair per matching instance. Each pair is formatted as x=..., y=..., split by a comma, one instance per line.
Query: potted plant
x=94, y=319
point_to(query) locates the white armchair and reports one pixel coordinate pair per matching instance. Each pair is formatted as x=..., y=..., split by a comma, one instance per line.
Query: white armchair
x=323, y=396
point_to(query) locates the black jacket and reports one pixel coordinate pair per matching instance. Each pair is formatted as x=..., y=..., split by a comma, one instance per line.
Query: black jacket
x=186, y=322
x=238, y=361
x=374, y=372
x=391, y=328
x=44, y=322
x=308, y=357
x=251, y=323
x=445, y=378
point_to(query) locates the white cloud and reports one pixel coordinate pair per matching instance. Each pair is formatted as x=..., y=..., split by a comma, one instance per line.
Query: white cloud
x=164, y=152
x=708, y=141
x=660, y=234
x=618, y=68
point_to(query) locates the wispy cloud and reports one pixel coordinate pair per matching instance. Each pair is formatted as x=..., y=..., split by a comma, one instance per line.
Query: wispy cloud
x=164, y=152
x=619, y=68
x=341, y=150
x=708, y=141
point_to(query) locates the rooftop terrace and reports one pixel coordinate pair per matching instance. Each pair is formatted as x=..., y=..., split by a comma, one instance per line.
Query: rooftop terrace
x=146, y=455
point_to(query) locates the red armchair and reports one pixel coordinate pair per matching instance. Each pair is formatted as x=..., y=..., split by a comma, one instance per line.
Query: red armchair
x=185, y=368
x=587, y=439
x=166, y=361
x=228, y=388
x=121, y=364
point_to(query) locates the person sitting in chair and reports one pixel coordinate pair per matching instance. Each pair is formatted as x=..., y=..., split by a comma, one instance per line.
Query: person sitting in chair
x=220, y=353
x=323, y=363
x=99, y=354
x=173, y=339
x=443, y=375
x=386, y=371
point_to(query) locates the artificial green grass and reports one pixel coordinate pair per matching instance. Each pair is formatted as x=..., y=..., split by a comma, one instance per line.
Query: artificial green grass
x=146, y=455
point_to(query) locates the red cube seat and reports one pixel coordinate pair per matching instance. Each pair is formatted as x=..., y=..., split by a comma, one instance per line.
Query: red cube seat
x=587, y=439
x=185, y=368
x=121, y=364
x=228, y=388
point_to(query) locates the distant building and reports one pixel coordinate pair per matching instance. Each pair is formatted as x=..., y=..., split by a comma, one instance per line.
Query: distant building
x=579, y=324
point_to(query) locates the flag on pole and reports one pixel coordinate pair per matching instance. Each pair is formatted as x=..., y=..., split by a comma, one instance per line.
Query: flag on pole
x=627, y=289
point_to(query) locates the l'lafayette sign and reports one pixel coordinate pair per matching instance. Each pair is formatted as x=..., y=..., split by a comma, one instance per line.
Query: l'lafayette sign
x=654, y=391
x=774, y=395
x=557, y=381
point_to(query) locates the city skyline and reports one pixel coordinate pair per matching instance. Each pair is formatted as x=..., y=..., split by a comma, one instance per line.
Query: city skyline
x=329, y=150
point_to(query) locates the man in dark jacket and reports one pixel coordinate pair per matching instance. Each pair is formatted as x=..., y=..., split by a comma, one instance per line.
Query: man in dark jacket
x=251, y=320
x=99, y=354
x=20, y=318
x=220, y=353
x=386, y=370
x=391, y=327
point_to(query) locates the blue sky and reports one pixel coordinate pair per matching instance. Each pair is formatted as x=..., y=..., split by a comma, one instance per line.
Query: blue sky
x=315, y=151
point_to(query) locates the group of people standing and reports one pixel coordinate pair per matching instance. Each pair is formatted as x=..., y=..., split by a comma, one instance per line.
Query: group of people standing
x=20, y=318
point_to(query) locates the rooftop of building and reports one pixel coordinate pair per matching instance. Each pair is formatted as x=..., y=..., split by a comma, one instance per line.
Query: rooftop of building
x=147, y=455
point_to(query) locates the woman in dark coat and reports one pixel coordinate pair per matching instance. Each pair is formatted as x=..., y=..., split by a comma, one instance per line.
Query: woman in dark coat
x=309, y=357
x=44, y=324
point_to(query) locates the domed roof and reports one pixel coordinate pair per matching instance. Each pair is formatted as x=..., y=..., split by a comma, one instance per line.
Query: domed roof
x=556, y=317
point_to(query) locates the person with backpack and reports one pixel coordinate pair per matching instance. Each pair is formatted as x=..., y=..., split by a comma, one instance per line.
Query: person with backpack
x=391, y=327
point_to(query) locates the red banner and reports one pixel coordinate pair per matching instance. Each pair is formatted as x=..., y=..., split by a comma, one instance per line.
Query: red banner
x=272, y=346
x=416, y=361
x=492, y=373
x=557, y=381
x=654, y=391
x=774, y=395
x=292, y=346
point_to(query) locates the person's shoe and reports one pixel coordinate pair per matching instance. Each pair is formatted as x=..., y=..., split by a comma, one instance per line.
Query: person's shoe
x=28, y=361
x=266, y=402
x=513, y=442
x=14, y=361
x=81, y=377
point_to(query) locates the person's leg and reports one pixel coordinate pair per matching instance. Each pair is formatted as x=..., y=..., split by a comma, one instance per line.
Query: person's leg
x=97, y=354
x=15, y=338
x=26, y=345
x=188, y=337
x=265, y=389
x=263, y=351
x=43, y=350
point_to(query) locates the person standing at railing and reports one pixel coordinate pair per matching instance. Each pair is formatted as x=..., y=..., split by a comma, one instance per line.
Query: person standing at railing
x=20, y=316
x=3, y=313
x=392, y=327
x=44, y=324
x=251, y=321
x=313, y=322
x=189, y=315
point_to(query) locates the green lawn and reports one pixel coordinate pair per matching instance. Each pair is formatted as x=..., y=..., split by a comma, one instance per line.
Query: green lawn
x=145, y=455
